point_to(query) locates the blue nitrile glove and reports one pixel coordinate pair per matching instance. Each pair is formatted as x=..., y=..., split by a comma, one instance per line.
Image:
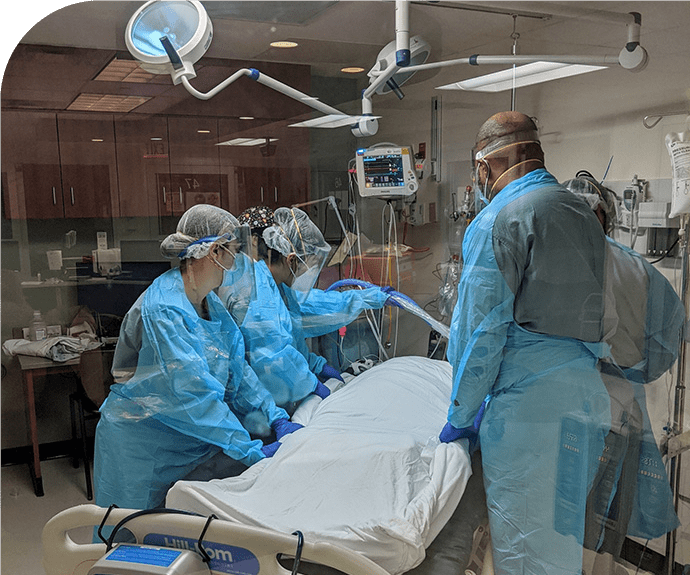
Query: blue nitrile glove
x=329, y=372
x=284, y=426
x=270, y=449
x=321, y=390
x=450, y=433
x=390, y=301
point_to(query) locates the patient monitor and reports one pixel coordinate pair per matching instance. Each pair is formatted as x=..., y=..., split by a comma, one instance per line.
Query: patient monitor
x=386, y=172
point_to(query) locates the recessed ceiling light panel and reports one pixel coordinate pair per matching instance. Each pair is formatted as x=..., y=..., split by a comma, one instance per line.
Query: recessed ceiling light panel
x=284, y=44
x=106, y=102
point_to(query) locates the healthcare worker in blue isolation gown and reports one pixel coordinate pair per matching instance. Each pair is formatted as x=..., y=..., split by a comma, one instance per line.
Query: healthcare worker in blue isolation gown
x=181, y=406
x=290, y=252
x=534, y=312
x=631, y=494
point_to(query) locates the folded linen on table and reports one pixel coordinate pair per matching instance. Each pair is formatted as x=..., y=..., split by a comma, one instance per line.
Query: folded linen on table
x=59, y=348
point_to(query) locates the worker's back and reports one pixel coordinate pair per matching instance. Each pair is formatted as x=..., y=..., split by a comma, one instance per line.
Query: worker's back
x=550, y=249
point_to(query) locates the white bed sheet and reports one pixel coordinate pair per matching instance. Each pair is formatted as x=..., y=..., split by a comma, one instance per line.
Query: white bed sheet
x=368, y=471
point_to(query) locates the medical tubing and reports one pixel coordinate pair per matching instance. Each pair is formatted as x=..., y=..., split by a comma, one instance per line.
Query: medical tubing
x=206, y=557
x=411, y=306
x=298, y=551
x=364, y=285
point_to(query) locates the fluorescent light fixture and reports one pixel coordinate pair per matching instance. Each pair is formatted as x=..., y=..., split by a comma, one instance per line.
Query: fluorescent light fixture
x=521, y=76
x=247, y=142
x=106, y=102
x=119, y=70
x=246, y=117
x=284, y=44
x=352, y=70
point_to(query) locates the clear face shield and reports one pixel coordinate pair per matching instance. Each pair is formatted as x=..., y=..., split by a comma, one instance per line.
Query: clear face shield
x=306, y=272
x=483, y=195
x=239, y=283
x=299, y=240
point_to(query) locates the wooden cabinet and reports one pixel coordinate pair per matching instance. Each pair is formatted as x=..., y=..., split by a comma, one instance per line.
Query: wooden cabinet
x=31, y=159
x=195, y=176
x=64, y=165
x=142, y=157
x=42, y=191
x=272, y=187
x=273, y=174
x=58, y=167
x=89, y=167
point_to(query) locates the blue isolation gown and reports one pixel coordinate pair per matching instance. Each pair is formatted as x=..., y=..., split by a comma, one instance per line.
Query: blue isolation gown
x=276, y=325
x=529, y=328
x=181, y=406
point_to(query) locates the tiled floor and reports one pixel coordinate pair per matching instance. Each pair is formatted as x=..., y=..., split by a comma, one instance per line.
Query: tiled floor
x=24, y=514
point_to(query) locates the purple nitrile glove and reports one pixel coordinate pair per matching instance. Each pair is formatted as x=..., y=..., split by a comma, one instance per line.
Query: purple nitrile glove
x=284, y=426
x=270, y=449
x=328, y=372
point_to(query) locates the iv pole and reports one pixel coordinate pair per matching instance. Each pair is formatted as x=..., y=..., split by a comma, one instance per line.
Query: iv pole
x=679, y=400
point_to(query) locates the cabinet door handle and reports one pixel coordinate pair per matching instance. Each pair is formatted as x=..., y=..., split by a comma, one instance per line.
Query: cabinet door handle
x=262, y=194
x=71, y=193
x=275, y=194
x=181, y=202
x=54, y=197
x=164, y=199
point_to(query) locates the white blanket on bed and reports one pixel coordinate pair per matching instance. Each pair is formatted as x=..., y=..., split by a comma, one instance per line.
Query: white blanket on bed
x=368, y=471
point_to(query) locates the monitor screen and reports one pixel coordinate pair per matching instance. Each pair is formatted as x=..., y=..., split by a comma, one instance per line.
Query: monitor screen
x=386, y=172
x=383, y=171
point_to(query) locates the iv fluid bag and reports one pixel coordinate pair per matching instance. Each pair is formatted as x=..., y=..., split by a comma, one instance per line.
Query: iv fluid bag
x=678, y=145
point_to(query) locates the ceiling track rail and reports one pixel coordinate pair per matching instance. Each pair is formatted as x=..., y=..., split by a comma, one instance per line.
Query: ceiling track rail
x=484, y=9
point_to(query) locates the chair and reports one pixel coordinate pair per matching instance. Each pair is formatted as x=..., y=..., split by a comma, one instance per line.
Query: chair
x=95, y=381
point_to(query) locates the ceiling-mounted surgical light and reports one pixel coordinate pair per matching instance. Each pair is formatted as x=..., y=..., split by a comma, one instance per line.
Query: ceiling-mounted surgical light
x=520, y=76
x=419, y=52
x=169, y=37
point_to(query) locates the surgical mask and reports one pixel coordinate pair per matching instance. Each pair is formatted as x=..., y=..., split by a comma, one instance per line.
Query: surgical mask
x=480, y=199
x=240, y=267
x=220, y=265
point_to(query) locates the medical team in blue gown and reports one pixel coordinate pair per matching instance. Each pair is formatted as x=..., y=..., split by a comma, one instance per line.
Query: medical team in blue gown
x=556, y=329
x=537, y=327
x=192, y=384
x=290, y=252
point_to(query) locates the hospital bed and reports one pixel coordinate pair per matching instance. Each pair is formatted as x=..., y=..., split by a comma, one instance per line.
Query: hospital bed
x=367, y=472
x=230, y=547
x=366, y=483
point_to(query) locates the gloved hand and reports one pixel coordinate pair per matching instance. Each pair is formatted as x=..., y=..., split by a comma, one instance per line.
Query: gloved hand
x=321, y=390
x=390, y=301
x=270, y=449
x=450, y=433
x=329, y=372
x=284, y=426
